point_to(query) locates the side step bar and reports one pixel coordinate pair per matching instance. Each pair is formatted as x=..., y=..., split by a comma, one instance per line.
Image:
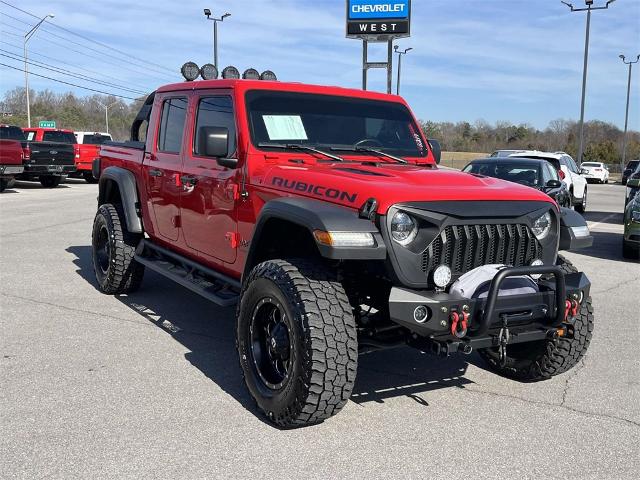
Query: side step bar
x=214, y=286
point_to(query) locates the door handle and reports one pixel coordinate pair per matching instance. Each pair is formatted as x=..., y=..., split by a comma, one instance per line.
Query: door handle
x=156, y=173
x=188, y=180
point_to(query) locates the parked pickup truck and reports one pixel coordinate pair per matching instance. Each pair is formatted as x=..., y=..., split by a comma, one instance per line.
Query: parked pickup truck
x=88, y=149
x=50, y=155
x=321, y=212
x=11, y=154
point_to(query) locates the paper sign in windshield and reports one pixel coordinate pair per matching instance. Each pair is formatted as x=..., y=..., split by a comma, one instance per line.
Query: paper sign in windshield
x=285, y=127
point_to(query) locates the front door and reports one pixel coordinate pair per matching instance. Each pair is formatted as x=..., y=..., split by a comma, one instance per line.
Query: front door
x=210, y=191
x=162, y=167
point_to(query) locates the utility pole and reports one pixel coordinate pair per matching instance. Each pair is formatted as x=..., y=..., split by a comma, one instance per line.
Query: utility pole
x=626, y=115
x=400, y=54
x=215, y=21
x=27, y=37
x=106, y=111
x=589, y=4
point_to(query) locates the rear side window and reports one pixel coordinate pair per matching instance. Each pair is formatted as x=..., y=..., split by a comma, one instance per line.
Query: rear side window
x=30, y=136
x=95, y=139
x=215, y=112
x=11, y=133
x=174, y=114
x=59, y=137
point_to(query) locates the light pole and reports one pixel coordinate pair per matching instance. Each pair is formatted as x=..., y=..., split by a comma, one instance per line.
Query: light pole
x=106, y=111
x=626, y=115
x=588, y=9
x=27, y=37
x=400, y=54
x=215, y=21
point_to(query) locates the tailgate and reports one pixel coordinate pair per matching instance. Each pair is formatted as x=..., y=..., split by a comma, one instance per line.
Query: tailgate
x=52, y=153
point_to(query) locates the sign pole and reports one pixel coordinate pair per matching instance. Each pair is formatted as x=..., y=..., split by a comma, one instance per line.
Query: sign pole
x=365, y=48
x=389, y=65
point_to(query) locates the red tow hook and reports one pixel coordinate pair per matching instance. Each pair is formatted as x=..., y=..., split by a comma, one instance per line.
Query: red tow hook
x=571, y=309
x=459, y=324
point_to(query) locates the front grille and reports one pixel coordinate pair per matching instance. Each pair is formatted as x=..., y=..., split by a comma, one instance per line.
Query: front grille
x=465, y=247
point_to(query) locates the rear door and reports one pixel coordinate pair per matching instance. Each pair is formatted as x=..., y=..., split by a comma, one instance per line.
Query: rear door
x=163, y=162
x=210, y=191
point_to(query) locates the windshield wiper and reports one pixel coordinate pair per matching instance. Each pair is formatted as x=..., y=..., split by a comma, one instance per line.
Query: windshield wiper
x=295, y=146
x=370, y=150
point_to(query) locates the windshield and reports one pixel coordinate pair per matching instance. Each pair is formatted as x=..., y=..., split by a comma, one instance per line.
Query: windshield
x=96, y=139
x=519, y=172
x=327, y=122
x=11, y=133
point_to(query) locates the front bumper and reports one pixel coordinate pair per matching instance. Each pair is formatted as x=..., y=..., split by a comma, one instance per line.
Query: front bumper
x=11, y=169
x=530, y=317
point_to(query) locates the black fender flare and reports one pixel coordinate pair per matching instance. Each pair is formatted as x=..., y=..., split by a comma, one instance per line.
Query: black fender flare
x=569, y=219
x=318, y=215
x=126, y=182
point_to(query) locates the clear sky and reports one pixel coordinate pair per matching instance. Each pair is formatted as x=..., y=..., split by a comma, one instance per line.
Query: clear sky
x=515, y=60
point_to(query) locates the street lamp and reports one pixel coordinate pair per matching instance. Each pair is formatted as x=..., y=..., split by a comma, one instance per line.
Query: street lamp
x=400, y=54
x=106, y=111
x=215, y=21
x=589, y=4
x=27, y=37
x=626, y=115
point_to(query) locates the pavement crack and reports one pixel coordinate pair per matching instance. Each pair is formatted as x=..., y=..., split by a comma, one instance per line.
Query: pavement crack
x=574, y=374
x=616, y=286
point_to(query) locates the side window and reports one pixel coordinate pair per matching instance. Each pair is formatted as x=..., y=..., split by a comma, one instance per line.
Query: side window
x=174, y=114
x=546, y=176
x=30, y=136
x=571, y=164
x=216, y=112
x=553, y=172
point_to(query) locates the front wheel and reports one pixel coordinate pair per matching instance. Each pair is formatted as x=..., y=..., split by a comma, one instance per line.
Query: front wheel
x=4, y=183
x=297, y=342
x=582, y=206
x=50, y=181
x=88, y=177
x=544, y=359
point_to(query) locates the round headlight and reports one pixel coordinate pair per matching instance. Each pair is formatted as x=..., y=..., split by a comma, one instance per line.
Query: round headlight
x=209, y=72
x=403, y=228
x=190, y=71
x=442, y=276
x=542, y=226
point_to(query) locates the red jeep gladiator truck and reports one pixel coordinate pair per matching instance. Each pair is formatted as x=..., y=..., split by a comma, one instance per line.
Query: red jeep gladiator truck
x=321, y=212
x=11, y=154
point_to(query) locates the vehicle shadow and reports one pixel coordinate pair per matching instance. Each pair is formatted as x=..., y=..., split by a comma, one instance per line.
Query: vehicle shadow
x=208, y=333
x=606, y=245
x=35, y=185
x=611, y=218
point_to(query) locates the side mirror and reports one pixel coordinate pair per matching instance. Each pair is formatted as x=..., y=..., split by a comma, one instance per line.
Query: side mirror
x=436, y=149
x=214, y=142
x=553, y=184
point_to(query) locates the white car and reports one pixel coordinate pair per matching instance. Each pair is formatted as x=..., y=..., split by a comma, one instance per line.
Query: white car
x=94, y=138
x=569, y=172
x=596, y=171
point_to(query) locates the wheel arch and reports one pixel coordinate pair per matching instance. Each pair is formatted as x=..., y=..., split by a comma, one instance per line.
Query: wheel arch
x=118, y=185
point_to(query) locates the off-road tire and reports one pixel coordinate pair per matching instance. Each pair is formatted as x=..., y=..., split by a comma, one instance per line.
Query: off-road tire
x=88, y=177
x=582, y=206
x=4, y=183
x=544, y=359
x=324, y=347
x=123, y=274
x=50, y=181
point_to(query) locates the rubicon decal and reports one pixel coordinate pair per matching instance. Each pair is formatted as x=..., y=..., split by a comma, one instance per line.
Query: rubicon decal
x=319, y=190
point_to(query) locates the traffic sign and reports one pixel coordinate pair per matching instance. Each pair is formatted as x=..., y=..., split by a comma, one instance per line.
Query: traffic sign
x=47, y=124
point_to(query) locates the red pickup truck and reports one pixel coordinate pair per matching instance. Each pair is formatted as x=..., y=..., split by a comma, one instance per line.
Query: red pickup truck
x=84, y=154
x=321, y=212
x=11, y=154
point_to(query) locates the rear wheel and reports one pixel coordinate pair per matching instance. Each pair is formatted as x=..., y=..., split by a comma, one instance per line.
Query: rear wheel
x=4, y=183
x=544, y=359
x=582, y=206
x=50, y=181
x=88, y=177
x=113, y=251
x=297, y=342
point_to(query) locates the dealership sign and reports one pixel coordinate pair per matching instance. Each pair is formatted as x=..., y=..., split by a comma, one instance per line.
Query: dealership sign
x=379, y=19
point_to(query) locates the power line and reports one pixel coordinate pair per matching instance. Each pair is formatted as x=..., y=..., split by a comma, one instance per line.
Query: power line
x=90, y=39
x=35, y=63
x=69, y=83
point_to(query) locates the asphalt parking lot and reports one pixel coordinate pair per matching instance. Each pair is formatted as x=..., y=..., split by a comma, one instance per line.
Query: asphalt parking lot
x=149, y=385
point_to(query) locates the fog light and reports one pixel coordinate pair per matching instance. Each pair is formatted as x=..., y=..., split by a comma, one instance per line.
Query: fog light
x=536, y=263
x=442, y=276
x=421, y=314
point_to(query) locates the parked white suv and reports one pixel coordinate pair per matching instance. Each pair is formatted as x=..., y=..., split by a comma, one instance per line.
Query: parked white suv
x=94, y=138
x=569, y=171
x=596, y=171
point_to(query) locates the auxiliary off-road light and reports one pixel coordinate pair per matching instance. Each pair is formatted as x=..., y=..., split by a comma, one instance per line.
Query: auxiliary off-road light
x=230, y=73
x=251, y=74
x=209, y=72
x=403, y=228
x=442, y=276
x=344, y=239
x=421, y=314
x=536, y=263
x=190, y=71
x=542, y=226
x=269, y=76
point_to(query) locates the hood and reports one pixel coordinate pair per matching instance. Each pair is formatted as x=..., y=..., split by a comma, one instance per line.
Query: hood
x=352, y=184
